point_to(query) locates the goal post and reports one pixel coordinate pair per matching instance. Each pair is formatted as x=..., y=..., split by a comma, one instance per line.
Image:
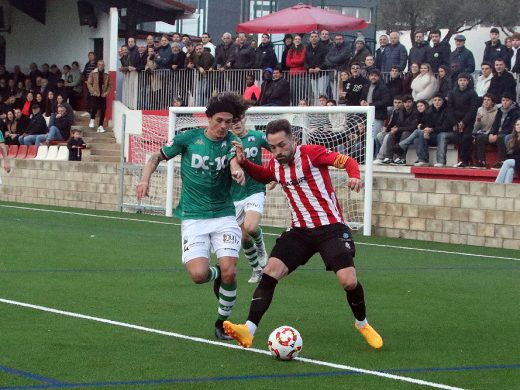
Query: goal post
x=340, y=128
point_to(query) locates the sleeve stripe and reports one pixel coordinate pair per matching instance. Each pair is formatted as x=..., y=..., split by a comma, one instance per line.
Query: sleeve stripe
x=340, y=161
x=163, y=155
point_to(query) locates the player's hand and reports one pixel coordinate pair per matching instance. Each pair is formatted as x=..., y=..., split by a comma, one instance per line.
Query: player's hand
x=142, y=190
x=271, y=186
x=239, y=151
x=239, y=176
x=355, y=184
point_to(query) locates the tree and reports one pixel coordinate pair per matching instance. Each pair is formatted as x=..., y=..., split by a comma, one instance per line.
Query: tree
x=456, y=16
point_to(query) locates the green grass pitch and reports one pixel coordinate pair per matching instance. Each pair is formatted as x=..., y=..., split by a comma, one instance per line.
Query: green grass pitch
x=449, y=315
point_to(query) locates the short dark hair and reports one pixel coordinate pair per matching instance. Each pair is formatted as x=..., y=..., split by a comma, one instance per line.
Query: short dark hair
x=277, y=125
x=323, y=97
x=251, y=75
x=439, y=95
x=438, y=32
x=407, y=98
x=488, y=64
x=398, y=97
x=205, y=33
x=500, y=59
x=75, y=63
x=332, y=101
x=490, y=96
x=278, y=68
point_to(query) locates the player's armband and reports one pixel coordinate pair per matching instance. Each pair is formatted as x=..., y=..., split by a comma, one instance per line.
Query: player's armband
x=340, y=161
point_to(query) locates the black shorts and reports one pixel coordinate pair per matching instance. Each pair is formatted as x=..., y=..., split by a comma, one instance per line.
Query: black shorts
x=333, y=242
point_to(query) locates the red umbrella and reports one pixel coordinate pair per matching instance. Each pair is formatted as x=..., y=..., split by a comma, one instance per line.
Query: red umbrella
x=301, y=18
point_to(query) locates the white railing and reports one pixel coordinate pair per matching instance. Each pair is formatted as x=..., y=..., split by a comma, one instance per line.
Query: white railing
x=156, y=90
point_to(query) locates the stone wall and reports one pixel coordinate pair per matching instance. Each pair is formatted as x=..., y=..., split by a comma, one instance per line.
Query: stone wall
x=88, y=185
x=457, y=212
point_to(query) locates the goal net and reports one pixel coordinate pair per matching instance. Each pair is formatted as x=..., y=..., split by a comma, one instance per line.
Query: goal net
x=338, y=128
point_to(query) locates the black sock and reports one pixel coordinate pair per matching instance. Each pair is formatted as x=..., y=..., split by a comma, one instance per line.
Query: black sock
x=261, y=298
x=356, y=301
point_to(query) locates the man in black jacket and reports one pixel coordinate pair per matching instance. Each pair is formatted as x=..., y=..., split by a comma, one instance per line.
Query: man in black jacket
x=243, y=54
x=59, y=128
x=502, y=126
x=276, y=92
x=420, y=51
x=314, y=62
x=224, y=53
x=354, y=86
x=439, y=53
x=36, y=126
x=502, y=82
x=494, y=48
x=461, y=59
x=265, y=55
x=463, y=103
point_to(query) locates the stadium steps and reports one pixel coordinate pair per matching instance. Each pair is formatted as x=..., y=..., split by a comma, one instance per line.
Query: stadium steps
x=101, y=147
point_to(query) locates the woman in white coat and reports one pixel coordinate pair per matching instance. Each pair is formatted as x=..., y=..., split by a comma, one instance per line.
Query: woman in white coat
x=425, y=85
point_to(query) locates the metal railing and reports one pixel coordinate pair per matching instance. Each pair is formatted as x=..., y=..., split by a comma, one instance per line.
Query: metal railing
x=156, y=90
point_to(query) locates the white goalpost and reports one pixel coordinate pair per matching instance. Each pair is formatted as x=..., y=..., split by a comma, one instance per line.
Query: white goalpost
x=340, y=128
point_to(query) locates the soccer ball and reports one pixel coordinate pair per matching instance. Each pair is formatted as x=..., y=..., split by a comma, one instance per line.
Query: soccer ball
x=285, y=343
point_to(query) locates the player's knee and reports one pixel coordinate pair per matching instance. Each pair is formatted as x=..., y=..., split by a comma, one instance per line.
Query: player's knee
x=228, y=275
x=250, y=227
x=349, y=284
x=198, y=277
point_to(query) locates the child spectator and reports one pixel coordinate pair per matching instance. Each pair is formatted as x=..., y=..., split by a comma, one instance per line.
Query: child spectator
x=76, y=145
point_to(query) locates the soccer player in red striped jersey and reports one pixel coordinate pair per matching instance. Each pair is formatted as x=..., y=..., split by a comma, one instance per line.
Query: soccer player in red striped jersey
x=317, y=225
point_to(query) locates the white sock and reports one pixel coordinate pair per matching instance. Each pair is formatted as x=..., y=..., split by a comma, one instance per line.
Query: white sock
x=252, y=327
x=360, y=324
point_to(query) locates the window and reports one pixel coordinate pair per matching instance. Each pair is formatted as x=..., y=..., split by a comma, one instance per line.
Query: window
x=362, y=13
x=259, y=8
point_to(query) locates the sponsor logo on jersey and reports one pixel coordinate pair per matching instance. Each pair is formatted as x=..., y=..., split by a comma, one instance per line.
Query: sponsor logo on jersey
x=170, y=143
x=223, y=144
x=251, y=138
x=199, y=142
x=298, y=180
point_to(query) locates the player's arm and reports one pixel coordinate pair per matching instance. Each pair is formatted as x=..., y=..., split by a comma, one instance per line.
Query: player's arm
x=142, y=189
x=168, y=151
x=257, y=172
x=341, y=161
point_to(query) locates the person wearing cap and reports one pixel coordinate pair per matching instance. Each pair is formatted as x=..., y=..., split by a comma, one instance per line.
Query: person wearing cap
x=277, y=91
x=35, y=127
x=395, y=54
x=502, y=81
x=208, y=167
x=463, y=104
x=503, y=126
x=461, y=59
x=494, y=48
x=420, y=50
x=360, y=53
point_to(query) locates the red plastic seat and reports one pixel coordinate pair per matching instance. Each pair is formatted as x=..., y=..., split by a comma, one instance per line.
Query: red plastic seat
x=13, y=150
x=31, y=151
x=22, y=151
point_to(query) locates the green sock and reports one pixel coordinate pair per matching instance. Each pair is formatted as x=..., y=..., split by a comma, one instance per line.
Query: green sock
x=213, y=273
x=227, y=298
x=250, y=252
x=258, y=237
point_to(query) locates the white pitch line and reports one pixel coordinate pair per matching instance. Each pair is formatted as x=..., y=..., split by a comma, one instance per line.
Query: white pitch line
x=267, y=234
x=233, y=346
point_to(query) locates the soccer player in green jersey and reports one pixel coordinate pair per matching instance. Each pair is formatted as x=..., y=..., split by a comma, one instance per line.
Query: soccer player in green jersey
x=3, y=152
x=206, y=208
x=249, y=200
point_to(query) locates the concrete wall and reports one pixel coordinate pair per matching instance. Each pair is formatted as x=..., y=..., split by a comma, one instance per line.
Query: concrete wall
x=457, y=212
x=60, y=41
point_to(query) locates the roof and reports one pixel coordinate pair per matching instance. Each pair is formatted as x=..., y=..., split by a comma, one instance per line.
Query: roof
x=170, y=5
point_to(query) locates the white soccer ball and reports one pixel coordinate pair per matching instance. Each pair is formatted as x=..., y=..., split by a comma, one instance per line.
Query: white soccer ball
x=285, y=343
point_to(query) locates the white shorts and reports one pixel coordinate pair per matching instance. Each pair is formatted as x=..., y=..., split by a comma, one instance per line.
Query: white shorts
x=253, y=202
x=219, y=235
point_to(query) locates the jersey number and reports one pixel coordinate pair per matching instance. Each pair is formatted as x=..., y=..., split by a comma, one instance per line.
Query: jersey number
x=251, y=152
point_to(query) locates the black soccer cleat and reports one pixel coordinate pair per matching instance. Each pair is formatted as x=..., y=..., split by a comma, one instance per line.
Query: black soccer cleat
x=220, y=333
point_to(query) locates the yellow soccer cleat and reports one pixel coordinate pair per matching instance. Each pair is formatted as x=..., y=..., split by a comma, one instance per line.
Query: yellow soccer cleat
x=240, y=332
x=371, y=336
